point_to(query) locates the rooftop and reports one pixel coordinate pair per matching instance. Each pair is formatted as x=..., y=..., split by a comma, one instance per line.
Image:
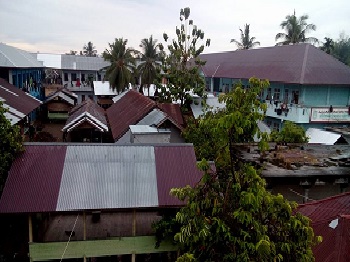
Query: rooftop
x=13, y=57
x=294, y=64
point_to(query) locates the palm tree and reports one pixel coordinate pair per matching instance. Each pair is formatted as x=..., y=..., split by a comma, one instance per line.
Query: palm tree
x=89, y=49
x=119, y=73
x=246, y=42
x=149, y=61
x=296, y=30
x=328, y=46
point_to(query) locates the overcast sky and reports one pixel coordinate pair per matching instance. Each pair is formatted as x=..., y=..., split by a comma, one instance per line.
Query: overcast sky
x=58, y=26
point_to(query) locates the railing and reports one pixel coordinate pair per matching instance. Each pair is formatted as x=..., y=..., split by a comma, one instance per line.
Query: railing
x=57, y=116
x=98, y=248
x=291, y=112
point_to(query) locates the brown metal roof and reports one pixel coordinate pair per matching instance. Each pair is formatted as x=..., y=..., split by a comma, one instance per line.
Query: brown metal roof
x=176, y=167
x=34, y=180
x=133, y=107
x=51, y=177
x=336, y=241
x=297, y=64
x=89, y=111
x=16, y=98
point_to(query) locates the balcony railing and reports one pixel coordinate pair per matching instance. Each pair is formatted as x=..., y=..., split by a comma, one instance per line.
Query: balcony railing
x=291, y=112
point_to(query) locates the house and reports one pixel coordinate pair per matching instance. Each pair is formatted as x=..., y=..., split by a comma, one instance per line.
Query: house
x=307, y=86
x=132, y=108
x=75, y=72
x=330, y=219
x=21, y=106
x=60, y=103
x=302, y=173
x=104, y=93
x=91, y=200
x=87, y=122
x=22, y=70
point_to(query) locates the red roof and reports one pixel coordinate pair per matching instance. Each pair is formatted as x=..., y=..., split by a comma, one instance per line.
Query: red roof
x=170, y=162
x=16, y=98
x=133, y=107
x=336, y=241
x=297, y=64
x=34, y=180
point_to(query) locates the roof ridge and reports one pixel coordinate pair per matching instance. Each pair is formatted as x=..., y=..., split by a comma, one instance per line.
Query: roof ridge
x=303, y=67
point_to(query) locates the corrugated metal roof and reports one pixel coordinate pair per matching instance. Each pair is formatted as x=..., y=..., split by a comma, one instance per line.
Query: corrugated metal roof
x=87, y=111
x=102, y=177
x=336, y=241
x=318, y=136
x=34, y=180
x=76, y=62
x=13, y=57
x=176, y=167
x=65, y=176
x=132, y=107
x=102, y=88
x=155, y=117
x=19, y=103
x=279, y=64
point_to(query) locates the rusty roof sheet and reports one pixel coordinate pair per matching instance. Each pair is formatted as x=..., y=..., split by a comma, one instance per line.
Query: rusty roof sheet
x=18, y=102
x=34, y=180
x=336, y=240
x=170, y=162
x=87, y=111
x=132, y=107
x=51, y=177
x=296, y=64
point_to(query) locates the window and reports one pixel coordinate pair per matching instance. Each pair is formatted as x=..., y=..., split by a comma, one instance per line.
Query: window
x=82, y=77
x=286, y=96
x=83, y=98
x=268, y=96
x=74, y=77
x=276, y=94
x=65, y=76
x=98, y=77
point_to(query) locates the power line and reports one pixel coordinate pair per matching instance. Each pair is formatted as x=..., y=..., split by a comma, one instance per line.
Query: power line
x=71, y=233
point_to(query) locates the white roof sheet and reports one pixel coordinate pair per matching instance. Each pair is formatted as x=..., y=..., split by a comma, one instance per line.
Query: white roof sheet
x=212, y=101
x=129, y=178
x=102, y=88
x=50, y=60
x=318, y=136
x=155, y=117
x=145, y=129
x=13, y=57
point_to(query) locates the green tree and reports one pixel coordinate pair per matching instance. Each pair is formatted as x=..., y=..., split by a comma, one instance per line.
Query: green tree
x=182, y=64
x=328, y=45
x=229, y=215
x=89, y=50
x=246, y=42
x=341, y=49
x=150, y=61
x=11, y=143
x=290, y=133
x=119, y=73
x=296, y=30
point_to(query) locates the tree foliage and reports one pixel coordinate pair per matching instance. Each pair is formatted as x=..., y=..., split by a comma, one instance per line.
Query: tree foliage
x=150, y=61
x=11, y=143
x=119, y=73
x=296, y=30
x=246, y=42
x=182, y=64
x=229, y=215
x=341, y=49
x=328, y=45
x=290, y=133
x=89, y=50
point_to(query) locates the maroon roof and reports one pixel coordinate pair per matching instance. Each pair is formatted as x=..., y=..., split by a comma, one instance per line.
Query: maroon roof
x=170, y=162
x=17, y=99
x=87, y=106
x=34, y=180
x=297, y=64
x=336, y=241
x=173, y=111
x=133, y=107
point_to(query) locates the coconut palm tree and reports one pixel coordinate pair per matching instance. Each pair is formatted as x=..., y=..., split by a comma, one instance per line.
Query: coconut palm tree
x=296, y=30
x=89, y=49
x=149, y=61
x=119, y=73
x=246, y=42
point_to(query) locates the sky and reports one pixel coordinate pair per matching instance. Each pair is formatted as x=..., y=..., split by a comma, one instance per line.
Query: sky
x=58, y=26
